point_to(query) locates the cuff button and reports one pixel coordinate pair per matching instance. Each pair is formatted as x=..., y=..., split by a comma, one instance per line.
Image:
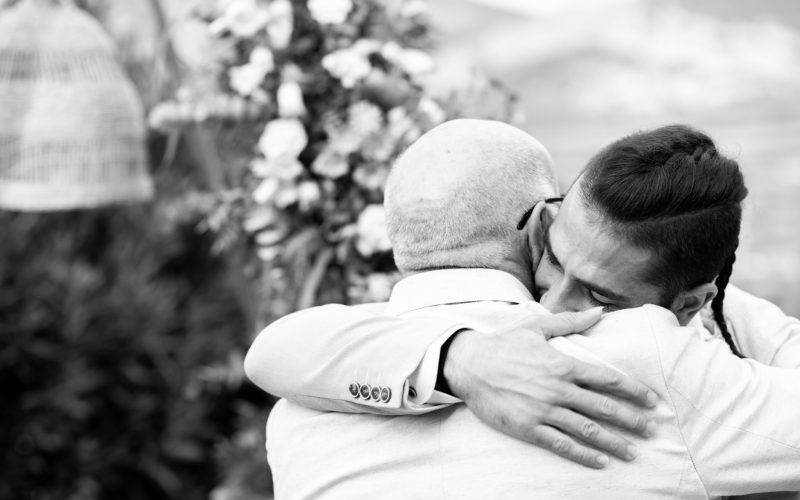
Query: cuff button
x=354, y=390
x=365, y=391
x=386, y=394
x=376, y=394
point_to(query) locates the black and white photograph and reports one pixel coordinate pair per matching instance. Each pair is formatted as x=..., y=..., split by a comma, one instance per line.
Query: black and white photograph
x=399, y=249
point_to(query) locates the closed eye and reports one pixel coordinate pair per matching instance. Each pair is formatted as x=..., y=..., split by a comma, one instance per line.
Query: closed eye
x=602, y=301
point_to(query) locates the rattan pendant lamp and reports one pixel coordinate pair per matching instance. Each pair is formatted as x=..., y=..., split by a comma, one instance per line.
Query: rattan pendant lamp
x=72, y=126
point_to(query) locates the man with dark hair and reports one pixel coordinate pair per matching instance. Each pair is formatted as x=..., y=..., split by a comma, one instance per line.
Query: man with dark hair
x=668, y=203
x=654, y=219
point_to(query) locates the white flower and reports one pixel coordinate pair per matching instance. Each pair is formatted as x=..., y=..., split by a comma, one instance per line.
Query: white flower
x=371, y=176
x=366, y=46
x=247, y=79
x=268, y=254
x=266, y=190
x=416, y=62
x=259, y=218
x=281, y=23
x=244, y=18
x=412, y=61
x=283, y=138
x=308, y=194
x=330, y=11
x=284, y=168
x=414, y=8
x=349, y=65
x=371, y=231
x=365, y=118
x=401, y=126
x=391, y=51
x=263, y=58
x=270, y=236
x=330, y=163
x=286, y=196
x=432, y=110
x=290, y=100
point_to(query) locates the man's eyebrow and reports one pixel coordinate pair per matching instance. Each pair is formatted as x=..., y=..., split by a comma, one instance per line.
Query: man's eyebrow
x=605, y=292
x=548, y=248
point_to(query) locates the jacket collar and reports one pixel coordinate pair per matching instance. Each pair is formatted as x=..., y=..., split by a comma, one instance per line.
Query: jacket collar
x=455, y=286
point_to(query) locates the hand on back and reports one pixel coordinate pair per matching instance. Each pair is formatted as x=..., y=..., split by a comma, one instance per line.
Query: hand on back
x=514, y=381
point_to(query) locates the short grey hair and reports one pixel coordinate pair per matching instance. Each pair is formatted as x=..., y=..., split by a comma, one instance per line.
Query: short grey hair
x=455, y=196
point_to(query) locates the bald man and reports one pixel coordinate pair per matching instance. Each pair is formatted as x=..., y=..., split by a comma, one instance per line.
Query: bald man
x=449, y=205
x=450, y=453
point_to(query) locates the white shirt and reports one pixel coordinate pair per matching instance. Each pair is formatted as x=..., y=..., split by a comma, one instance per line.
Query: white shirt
x=725, y=426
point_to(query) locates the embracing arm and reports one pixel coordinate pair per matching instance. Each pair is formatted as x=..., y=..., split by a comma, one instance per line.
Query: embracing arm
x=342, y=358
x=739, y=418
x=339, y=358
x=762, y=331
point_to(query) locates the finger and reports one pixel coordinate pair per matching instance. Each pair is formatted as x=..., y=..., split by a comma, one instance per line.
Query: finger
x=554, y=440
x=614, y=382
x=605, y=408
x=591, y=432
x=569, y=322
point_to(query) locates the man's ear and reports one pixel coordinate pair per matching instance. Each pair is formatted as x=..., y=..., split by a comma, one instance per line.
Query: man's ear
x=534, y=229
x=689, y=302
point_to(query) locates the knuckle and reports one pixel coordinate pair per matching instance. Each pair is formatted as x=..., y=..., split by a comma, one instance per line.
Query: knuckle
x=608, y=408
x=590, y=430
x=537, y=438
x=552, y=414
x=563, y=367
x=561, y=446
x=502, y=421
x=613, y=379
x=639, y=422
x=567, y=395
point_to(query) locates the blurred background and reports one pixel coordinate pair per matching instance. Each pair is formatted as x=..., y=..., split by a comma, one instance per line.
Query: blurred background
x=175, y=174
x=589, y=72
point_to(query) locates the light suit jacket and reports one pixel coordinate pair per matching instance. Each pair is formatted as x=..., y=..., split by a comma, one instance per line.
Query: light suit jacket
x=726, y=426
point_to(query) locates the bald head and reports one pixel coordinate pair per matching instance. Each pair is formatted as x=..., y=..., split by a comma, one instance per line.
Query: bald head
x=454, y=197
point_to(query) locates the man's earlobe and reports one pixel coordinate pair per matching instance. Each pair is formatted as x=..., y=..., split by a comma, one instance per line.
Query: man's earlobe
x=689, y=302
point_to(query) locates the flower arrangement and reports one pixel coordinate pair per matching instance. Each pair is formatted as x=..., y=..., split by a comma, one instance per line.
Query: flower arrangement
x=336, y=89
x=310, y=104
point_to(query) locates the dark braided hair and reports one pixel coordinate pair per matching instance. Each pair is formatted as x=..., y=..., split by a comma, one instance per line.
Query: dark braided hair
x=670, y=192
x=716, y=304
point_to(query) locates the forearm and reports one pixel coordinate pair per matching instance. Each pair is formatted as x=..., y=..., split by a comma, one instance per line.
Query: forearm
x=330, y=354
x=740, y=423
x=762, y=330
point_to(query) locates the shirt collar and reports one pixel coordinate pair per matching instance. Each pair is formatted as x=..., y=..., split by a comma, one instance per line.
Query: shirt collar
x=455, y=286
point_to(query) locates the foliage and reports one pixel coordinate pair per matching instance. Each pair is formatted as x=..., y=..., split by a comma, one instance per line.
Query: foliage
x=122, y=330
x=334, y=91
x=109, y=324
x=339, y=88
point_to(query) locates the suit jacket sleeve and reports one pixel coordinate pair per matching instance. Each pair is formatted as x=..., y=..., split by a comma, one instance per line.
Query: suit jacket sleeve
x=342, y=358
x=739, y=418
x=763, y=332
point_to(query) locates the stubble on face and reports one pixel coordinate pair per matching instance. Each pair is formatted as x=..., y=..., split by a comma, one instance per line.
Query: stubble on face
x=585, y=264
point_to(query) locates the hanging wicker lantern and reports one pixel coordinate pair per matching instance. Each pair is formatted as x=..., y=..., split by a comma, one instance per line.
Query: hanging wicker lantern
x=72, y=129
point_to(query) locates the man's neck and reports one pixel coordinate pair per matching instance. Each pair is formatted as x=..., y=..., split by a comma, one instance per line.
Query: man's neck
x=526, y=278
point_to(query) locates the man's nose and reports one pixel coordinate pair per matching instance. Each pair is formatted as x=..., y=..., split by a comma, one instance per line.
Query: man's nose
x=558, y=299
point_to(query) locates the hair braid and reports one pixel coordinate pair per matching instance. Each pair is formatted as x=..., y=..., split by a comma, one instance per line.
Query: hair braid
x=716, y=304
